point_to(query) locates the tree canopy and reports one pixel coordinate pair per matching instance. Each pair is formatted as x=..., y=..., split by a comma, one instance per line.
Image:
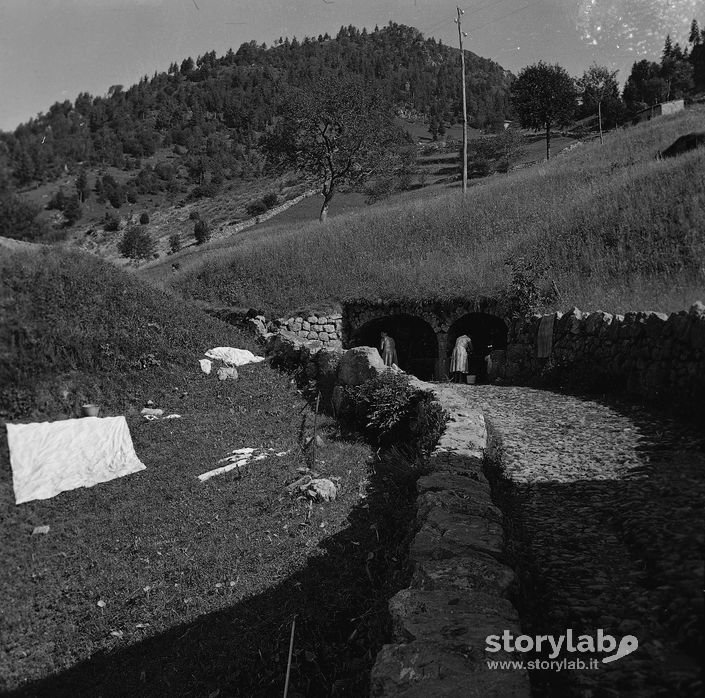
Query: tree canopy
x=544, y=96
x=338, y=131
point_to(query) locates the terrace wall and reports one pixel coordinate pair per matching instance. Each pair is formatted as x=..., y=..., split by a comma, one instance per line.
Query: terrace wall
x=460, y=587
x=644, y=355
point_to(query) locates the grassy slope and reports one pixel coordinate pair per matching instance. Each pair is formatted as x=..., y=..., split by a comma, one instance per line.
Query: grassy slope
x=631, y=227
x=185, y=568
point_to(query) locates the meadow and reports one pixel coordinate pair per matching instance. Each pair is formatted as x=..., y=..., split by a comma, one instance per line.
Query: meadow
x=606, y=226
x=156, y=583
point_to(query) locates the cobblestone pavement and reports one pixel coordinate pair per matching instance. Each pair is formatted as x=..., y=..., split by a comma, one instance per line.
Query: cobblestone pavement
x=606, y=518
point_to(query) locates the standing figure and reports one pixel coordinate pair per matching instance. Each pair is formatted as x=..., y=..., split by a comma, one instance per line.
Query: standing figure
x=459, y=358
x=388, y=350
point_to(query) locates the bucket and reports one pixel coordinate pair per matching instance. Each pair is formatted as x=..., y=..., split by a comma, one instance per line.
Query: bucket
x=90, y=410
x=470, y=380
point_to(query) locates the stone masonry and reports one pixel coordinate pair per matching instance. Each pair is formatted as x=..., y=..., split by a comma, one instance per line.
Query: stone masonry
x=646, y=355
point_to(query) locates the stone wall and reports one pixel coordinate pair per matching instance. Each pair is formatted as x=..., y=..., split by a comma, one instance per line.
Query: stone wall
x=459, y=589
x=458, y=594
x=644, y=355
x=326, y=328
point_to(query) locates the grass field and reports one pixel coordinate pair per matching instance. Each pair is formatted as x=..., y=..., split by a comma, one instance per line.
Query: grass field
x=610, y=225
x=157, y=584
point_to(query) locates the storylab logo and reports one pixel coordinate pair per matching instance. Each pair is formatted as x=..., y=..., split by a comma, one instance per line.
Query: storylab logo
x=550, y=647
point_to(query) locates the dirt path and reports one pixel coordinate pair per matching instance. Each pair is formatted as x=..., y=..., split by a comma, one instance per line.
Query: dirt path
x=608, y=516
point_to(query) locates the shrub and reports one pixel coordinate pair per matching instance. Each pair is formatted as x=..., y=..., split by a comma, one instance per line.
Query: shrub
x=270, y=200
x=201, y=232
x=18, y=219
x=144, y=218
x=256, y=208
x=205, y=190
x=174, y=242
x=112, y=222
x=194, y=216
x=136, y=243
x=392, y=410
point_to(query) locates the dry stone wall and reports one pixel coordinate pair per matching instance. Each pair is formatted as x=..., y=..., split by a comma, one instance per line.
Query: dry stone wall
x=460, y=586
x=646, y=355
x=324, y=328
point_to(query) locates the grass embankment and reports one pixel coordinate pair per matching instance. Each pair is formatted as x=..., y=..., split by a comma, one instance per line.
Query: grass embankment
x=611, y=226
x=199, y=582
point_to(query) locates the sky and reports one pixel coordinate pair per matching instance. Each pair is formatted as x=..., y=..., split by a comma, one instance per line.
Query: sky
x=50, y=50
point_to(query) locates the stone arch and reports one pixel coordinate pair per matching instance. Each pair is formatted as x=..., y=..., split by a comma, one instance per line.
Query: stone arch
x=485, y=330
x=415, y=339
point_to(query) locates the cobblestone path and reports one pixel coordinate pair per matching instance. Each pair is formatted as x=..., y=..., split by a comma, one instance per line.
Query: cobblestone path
x=607, y=517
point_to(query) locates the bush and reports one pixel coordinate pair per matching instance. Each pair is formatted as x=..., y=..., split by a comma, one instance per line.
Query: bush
x=112, y=222
x=205, y=191
x=391, y=410
x=270, y=200
x=144, y=219
x=194, y=216
x=201, y=232
x=256, y=208
x=18, y=219
x=136, y=243
x=174, y=242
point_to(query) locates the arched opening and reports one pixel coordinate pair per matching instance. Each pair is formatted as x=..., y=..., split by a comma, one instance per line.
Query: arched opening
x=488, y=333
x=415, y=340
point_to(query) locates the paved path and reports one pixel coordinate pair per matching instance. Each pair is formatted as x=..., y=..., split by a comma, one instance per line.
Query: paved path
x=608, y=533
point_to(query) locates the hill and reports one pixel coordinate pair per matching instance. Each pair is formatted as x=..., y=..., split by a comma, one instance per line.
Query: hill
x=609, y=227
x=211, y=112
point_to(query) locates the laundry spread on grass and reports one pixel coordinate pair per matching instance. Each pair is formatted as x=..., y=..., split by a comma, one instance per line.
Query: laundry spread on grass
x=52, y=457
x=233, y=357
x=239, y=458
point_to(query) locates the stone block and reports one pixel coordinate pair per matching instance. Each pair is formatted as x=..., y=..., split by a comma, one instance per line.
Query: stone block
x=445, y=534
x=329, y=328
x=323, y=336
x=424, y=670
x=474, y=572
x=358, y=365
x=452, y=621
x=312, y=335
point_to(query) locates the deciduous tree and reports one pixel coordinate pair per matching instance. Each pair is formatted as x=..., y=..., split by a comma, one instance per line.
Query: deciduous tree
x=544, y=96
x=340, y=131
x=599, y=88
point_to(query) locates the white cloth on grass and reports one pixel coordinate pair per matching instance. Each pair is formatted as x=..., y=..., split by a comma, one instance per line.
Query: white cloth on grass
x=233, y=357
x=52, y=457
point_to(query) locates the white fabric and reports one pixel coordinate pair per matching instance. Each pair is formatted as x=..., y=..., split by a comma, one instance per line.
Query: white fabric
x=233, y=357
x=52, y=457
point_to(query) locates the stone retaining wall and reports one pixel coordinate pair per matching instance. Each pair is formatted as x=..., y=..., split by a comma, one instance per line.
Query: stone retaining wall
x=646, y=355
x=460, y=584
x=458, y=594
x=326, y=328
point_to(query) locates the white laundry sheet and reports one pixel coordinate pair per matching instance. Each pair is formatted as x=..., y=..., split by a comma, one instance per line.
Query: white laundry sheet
x=232, y=356
x=52, y=457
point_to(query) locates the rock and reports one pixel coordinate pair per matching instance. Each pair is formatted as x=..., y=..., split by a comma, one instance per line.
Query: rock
x=697, y=309
x=227, y=373
x=422, y=669
x=323, y=489
x=284, y=348
x=358, y=365
x=41, y=530
x=257, y=327
x=206, y=365
x=151, y=411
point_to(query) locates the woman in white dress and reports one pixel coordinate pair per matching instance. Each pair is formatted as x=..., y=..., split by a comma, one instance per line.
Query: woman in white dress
x=459, y=358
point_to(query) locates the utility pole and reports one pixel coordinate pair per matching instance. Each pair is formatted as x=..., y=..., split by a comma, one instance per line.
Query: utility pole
x=461, y=34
